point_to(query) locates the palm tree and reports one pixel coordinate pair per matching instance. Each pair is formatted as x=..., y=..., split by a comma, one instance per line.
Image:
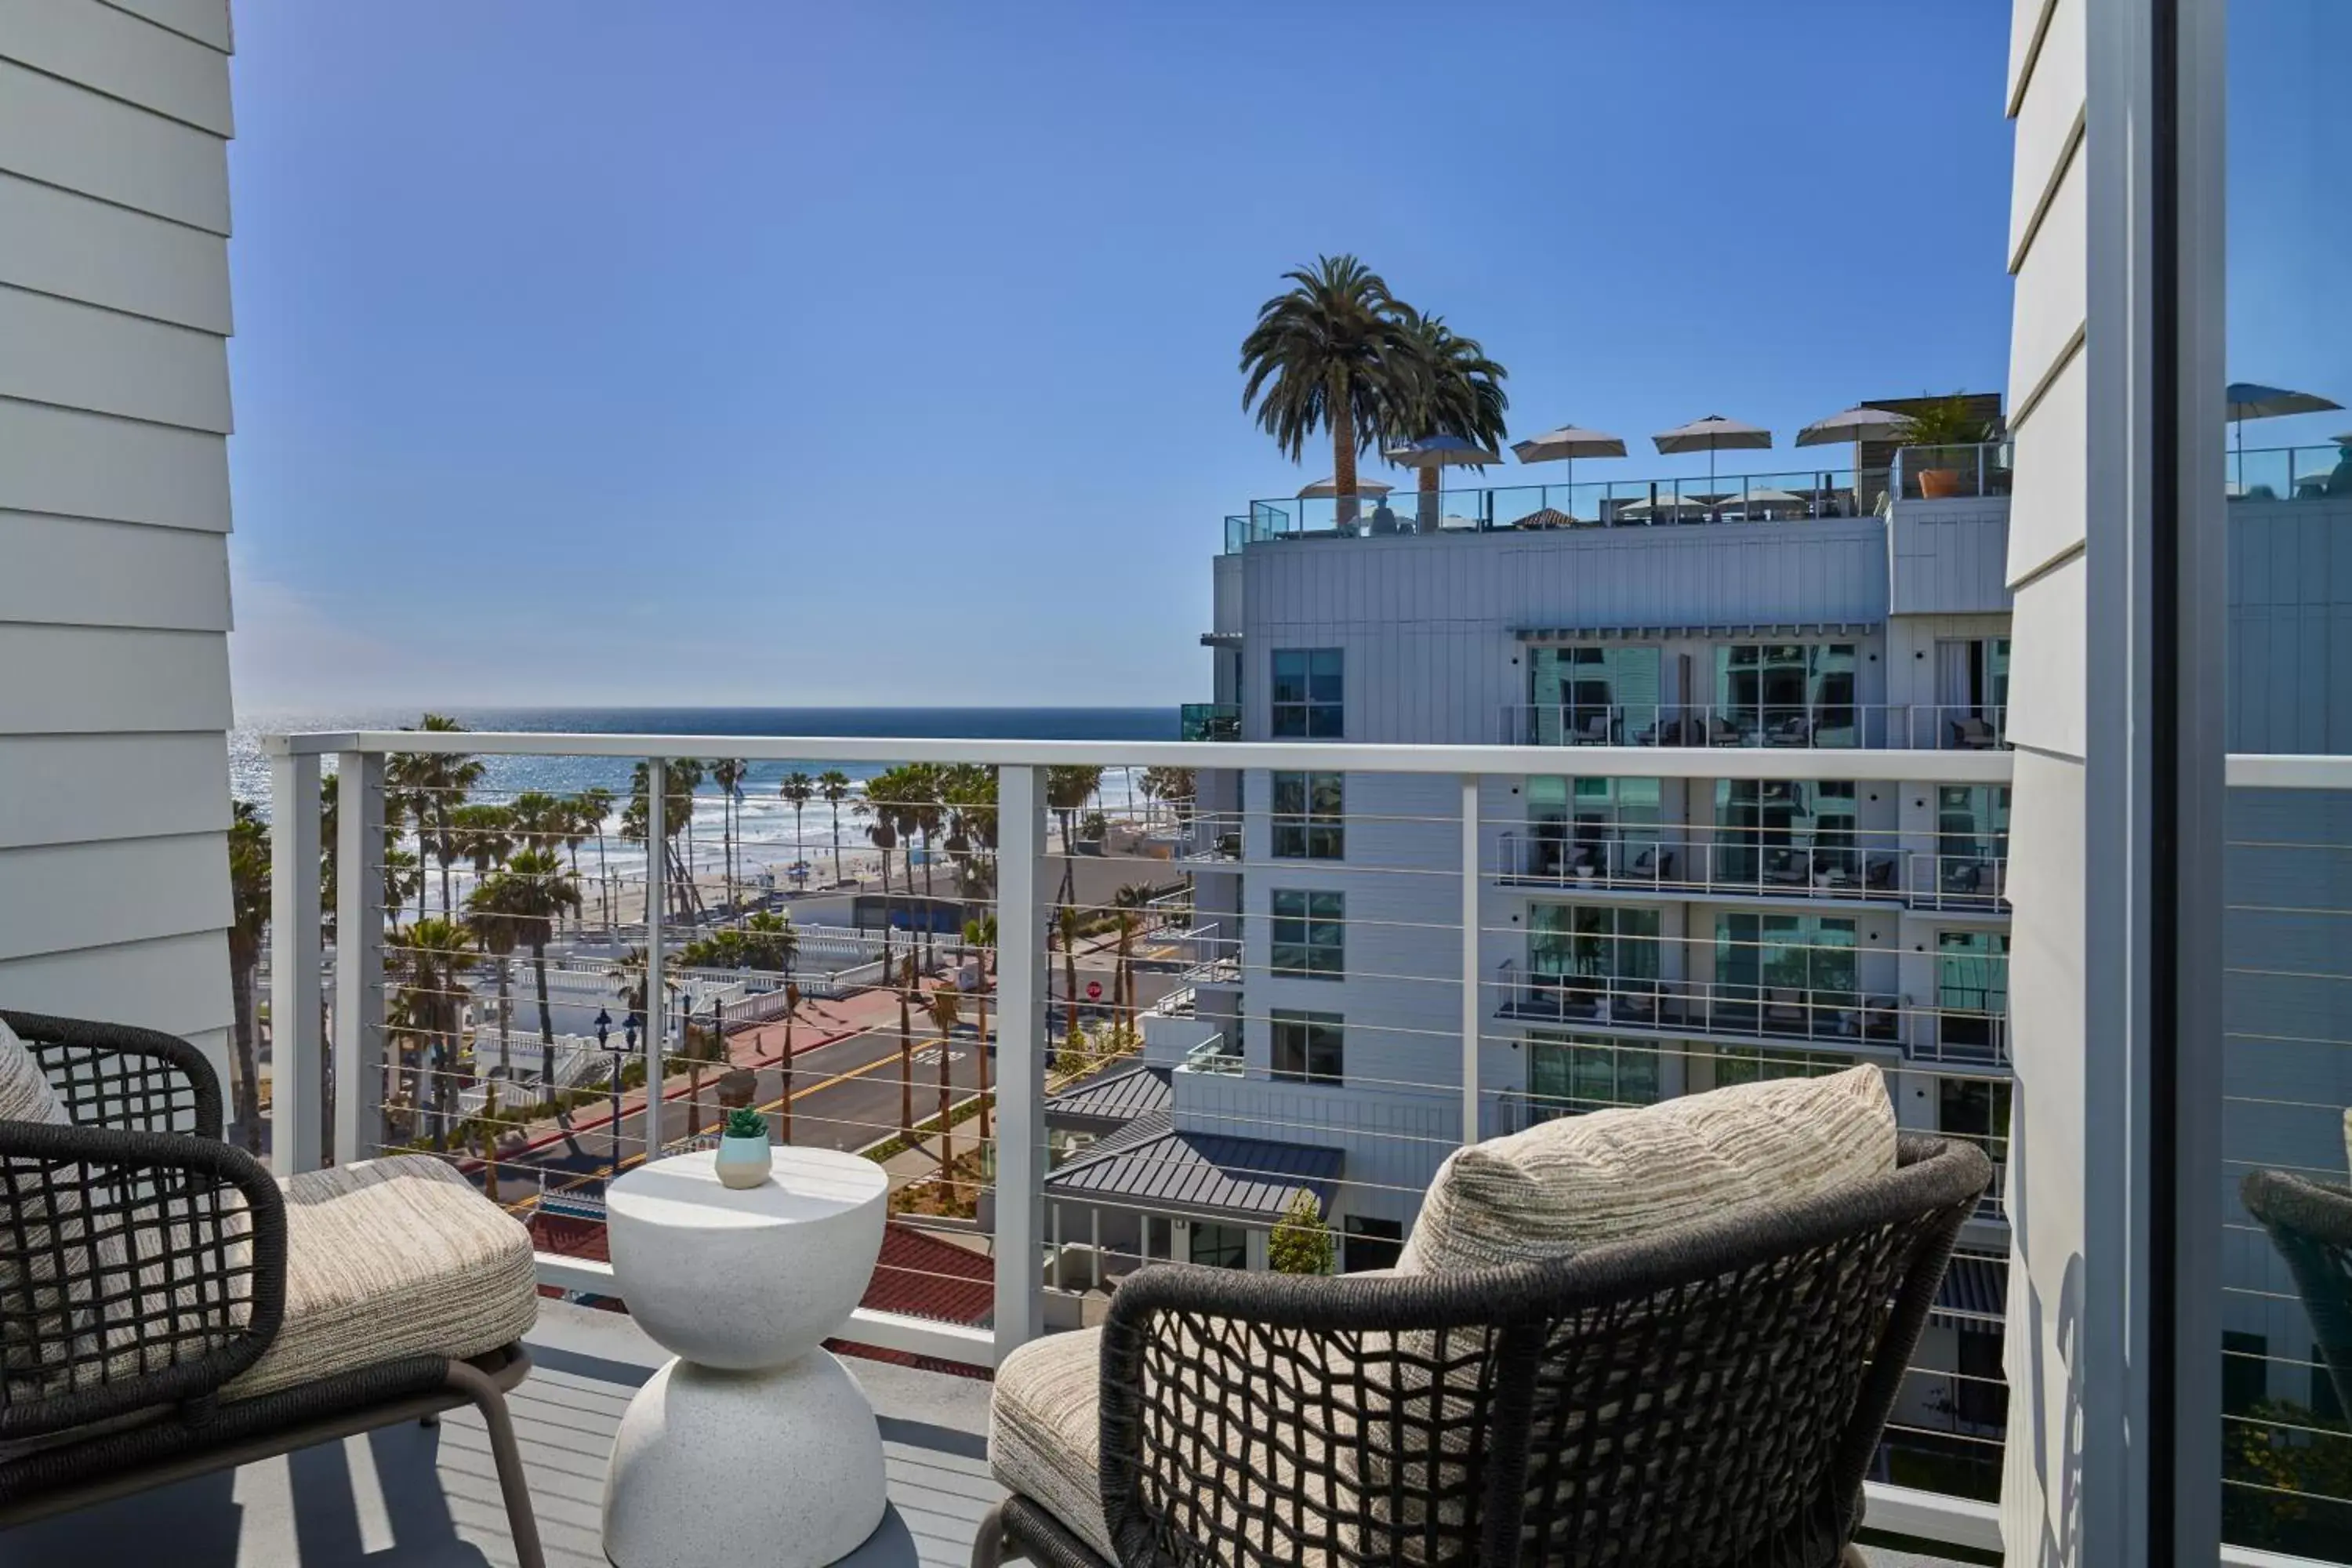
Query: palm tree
x=834, y=785
x=1130, y=900
x=435, y=950
x=968, y=792
x=799, y=789
x=727, y=774
x=1175, y=786
x=1065, y=921
x=945, y=1017
x=906, y=1050
x=686, y=775
x=595, y=804
x=785, y=1067
x=982, y=933
x=498, y=932
x=1331, y=354
x=431, y=786
x=1458, y=391
x=482, y=835
x=677, y=804
x=403, y=874
x=1066, y=792
x=248, y=880
x=539, y=893
x=879, y=809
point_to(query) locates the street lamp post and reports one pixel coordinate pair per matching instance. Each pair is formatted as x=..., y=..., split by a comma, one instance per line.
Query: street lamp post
x=629, y=1028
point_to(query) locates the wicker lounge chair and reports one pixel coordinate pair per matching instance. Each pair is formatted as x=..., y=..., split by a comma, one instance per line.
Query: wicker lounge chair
x=1484, y=1415
x=169, y=1309
x=2311, y=1224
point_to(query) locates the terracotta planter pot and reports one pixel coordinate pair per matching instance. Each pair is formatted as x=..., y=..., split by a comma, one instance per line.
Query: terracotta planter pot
x=1934, y=482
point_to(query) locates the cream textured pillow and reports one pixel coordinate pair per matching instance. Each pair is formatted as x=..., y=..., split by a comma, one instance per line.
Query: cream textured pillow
x=25, y=1093
x=1573, y=1183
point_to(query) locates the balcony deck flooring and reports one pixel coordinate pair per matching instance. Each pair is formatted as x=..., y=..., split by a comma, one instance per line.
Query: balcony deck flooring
x=409, y=1497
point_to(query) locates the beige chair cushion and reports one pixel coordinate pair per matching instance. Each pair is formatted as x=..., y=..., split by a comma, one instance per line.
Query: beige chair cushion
x=1044, y=1435
x=25, y=1091
x=1045, y=1441
x=1573, y=1183
x=392, y=1257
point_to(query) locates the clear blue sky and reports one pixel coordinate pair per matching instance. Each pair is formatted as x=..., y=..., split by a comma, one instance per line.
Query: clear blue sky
x=748, y=353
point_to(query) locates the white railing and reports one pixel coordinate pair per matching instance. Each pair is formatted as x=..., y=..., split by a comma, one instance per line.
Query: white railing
x=1815, y=726
x=1453, y=952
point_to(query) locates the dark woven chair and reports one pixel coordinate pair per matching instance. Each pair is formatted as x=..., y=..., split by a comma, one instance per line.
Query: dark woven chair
x=2310, y=1223
x=142, y=1268
x=1715, y=1393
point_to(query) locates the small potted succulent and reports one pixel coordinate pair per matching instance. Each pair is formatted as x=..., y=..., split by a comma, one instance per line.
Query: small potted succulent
x=1945, y=422
x=743, y=1154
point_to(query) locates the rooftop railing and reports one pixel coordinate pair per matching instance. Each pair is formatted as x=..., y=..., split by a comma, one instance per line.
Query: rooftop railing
x=1900, y=726
x=1941, y=473
x=1355, y=988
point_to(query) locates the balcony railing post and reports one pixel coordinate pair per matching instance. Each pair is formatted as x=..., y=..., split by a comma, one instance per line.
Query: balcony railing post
x=656, y=1000
x=1021, y=900
x=1470, y=958
x=360, y=920
x=296, y=953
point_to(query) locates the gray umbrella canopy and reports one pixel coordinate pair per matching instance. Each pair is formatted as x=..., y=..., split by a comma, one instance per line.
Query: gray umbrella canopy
x=1438, y=452
x=1712, y=435
x=1853, y=425
x=1324, y=489
x=2252, y=400
x=1569, y=443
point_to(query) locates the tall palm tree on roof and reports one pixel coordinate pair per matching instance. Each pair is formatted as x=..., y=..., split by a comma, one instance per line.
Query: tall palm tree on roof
x=1456, y=391
x=1331, y=354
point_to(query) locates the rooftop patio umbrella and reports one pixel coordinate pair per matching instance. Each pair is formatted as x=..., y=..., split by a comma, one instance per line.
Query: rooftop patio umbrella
x=1853, y=425
x=2252, y=400
x=1325, y=489
x=1431, y=453
x=1712, y=435
x=1566, y=445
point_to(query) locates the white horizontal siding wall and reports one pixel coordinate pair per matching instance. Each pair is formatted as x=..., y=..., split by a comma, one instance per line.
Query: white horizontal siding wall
x=1950, y=557
x=114, y=511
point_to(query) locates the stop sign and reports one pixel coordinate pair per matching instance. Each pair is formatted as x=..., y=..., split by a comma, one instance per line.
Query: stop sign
x=1094, y=990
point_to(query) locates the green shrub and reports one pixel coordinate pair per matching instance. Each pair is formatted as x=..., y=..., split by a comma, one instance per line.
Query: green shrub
x=1301, y=1242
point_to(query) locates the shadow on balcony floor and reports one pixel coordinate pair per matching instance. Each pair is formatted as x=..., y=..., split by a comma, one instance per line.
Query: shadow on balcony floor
x=411, y=1498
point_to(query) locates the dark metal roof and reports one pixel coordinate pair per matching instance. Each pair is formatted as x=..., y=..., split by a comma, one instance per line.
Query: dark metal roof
x=1656, y=633
x=1121, y=1097
x=1974, y=1294
x=1149, y=1164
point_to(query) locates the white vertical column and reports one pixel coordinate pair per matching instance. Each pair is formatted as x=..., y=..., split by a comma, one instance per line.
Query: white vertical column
x=656, y=891
x=1021, y=893
x=359, y=954
x=295, y=954
x=1472, y=996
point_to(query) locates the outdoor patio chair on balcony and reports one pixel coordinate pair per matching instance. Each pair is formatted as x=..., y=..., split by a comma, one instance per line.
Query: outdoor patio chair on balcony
x=1722, y=732
x=1878, y=873
x=1786, y=1011
x=168, y=1308
x=1973, y=734
x=1651, y=1337
x=1591, y=730
x=2310, y=1223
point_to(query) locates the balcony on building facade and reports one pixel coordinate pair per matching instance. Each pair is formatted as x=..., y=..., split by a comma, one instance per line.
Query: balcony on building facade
x=1694, y=864
x=1944, y=473
x=1208, y=721
x=1796, y=724
x=1794, y=1012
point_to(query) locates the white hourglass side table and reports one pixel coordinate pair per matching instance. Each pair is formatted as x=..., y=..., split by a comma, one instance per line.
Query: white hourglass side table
x=754, y=1443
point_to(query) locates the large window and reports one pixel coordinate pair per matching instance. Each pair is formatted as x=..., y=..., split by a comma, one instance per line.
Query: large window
x=1310, y=934
x=1584, y=957
x=1805, y=961
x=1761, y=1064
x=1310, y=817
x=1972, y=989
x=1369, y=1243
x=1308, y=695
x=1971, y=840
x=1308, y=1046
x=1778, y=833
x=1593, y=828
x=1593, y=695
x=1220, y=1245
x=1785, y=694
x=1569, y=1074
